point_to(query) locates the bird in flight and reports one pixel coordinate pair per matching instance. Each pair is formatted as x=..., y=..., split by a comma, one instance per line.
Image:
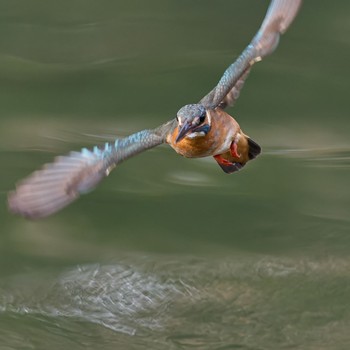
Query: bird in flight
x=198, y=130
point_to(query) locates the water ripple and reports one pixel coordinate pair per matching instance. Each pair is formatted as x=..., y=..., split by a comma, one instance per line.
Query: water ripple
x=194, y=303
x=318, y=157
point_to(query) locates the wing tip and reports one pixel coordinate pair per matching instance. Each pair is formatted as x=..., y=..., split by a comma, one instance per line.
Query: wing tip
x=32, y=207
x=14, y=207
x=54, y=186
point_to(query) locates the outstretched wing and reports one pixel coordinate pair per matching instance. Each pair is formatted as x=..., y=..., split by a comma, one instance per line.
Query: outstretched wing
x=57, y=184
x=233, y=95
x=279, y=16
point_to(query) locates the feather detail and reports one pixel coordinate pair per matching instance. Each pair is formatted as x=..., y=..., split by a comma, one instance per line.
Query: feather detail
x=59, y=183
x=279, y=16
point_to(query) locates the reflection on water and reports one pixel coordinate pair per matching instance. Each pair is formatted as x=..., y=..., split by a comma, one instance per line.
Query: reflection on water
x=189, y=178
x=326, y=155
x=209, y=304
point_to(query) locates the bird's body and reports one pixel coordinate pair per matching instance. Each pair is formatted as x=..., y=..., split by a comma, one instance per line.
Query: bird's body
x=199, y=130
x=222, y=131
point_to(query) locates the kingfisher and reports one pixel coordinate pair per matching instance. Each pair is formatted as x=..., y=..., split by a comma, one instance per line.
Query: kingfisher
x=199, y=130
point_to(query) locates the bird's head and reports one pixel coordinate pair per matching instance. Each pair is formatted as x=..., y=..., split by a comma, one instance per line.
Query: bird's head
x=193, y=121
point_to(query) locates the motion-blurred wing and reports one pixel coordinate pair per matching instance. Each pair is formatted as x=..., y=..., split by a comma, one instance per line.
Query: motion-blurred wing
x=57, y=184
x=279, y=16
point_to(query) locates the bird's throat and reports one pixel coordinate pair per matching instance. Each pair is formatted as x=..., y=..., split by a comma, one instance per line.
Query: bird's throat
x=199, y=132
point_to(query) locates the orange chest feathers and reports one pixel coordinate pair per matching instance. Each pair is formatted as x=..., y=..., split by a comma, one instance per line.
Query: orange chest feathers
x=223, y=129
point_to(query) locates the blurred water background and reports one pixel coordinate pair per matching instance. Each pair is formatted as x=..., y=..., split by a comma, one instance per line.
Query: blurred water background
x=171, y=253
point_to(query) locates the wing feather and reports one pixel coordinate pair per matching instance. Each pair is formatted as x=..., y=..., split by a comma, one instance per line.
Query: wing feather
x=279, y=16
x=59, y=183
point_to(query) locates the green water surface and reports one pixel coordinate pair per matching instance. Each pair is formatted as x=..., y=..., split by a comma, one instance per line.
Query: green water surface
x=171, y=253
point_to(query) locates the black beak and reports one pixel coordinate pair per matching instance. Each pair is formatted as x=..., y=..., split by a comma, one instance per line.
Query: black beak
x=183, y=130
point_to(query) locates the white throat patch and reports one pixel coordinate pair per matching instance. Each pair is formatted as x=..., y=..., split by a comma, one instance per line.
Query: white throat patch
x=193, y=135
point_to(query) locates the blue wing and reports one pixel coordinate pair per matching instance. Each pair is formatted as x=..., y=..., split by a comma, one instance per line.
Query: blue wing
x=279, y=16
x=59, y=183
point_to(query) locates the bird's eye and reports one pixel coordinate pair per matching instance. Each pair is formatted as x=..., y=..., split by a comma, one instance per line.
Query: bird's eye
x=202, y=118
